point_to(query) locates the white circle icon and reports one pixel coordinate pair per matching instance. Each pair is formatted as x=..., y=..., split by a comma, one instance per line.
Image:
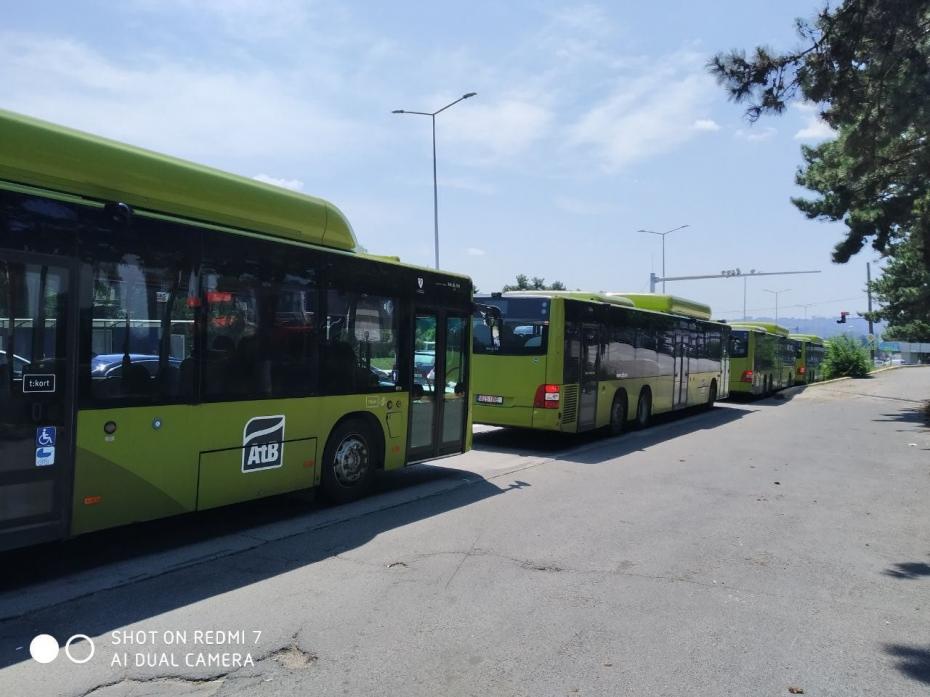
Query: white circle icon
x=78, y=637
x=44, y=648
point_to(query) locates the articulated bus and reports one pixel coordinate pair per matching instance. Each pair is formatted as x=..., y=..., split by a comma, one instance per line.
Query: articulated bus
x=810, y=351
x=174, y=338
x=575, y=361
x=762, y=358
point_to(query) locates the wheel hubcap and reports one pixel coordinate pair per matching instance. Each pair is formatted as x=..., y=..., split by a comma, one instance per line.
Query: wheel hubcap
x=350, y=460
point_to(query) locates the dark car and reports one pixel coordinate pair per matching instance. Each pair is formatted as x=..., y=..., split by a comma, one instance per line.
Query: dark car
x=110, y=379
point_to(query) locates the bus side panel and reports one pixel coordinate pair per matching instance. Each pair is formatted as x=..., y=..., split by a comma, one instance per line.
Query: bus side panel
x=139, y=472
x=166, y=460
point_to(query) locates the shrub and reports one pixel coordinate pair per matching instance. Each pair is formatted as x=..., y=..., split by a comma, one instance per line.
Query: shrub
x=845, y=357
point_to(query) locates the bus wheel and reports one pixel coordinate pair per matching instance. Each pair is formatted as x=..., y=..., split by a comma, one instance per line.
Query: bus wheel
x=644, y=409
x=711, y=395
x=347, y=462
x=618, y=414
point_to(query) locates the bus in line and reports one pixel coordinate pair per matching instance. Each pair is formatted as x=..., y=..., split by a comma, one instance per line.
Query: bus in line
x=574, y=361
x=810, y=355
x=762, y=358
x=174, y=338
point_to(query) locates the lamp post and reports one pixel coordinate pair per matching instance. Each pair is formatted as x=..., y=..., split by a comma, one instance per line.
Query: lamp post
x=663, y=234
x=776, y=293
x=432, y=115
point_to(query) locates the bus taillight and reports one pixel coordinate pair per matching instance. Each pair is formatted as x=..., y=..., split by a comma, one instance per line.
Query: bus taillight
x=746, y=376
x=547, y=397
x=802, y=370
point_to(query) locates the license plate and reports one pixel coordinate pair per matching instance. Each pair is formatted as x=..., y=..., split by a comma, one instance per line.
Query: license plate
x=489, y=399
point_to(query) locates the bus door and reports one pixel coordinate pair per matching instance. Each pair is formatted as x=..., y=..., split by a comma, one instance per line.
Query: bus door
x=680, y=383
x=438, y=405
x=587, y=400
x=37, y=338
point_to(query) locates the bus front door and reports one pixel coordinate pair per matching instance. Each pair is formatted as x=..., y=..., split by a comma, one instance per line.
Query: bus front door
x=587, y=399
x=438, y=405
x=37, y=349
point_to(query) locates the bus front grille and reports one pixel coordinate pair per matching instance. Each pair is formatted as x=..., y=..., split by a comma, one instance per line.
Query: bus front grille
x=569, y=403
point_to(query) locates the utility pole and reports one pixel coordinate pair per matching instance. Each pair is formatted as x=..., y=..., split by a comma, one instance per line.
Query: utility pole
x=868, y=288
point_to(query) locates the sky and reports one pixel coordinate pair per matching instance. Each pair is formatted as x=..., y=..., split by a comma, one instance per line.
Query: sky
x=591, y=121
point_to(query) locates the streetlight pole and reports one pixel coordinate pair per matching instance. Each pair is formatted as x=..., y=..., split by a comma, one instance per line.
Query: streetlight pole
x=432, y=115
x=663, y=234
x=776, y=293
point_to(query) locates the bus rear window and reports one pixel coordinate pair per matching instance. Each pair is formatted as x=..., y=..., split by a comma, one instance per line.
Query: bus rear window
x=739, y=344
x=523, y=328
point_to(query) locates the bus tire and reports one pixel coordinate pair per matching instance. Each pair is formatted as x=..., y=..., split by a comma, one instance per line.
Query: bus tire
x=711, y=395
x=348, y=461
x=618, y=414
x=644, y=409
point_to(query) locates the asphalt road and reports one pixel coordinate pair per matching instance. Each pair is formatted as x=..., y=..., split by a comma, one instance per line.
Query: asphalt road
x=758, y=547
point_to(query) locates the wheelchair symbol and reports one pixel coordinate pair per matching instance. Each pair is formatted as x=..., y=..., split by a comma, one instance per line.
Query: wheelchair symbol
x=45, y=436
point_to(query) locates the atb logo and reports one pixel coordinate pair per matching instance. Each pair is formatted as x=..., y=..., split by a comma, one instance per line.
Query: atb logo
x=263, y=443
x=420, y=282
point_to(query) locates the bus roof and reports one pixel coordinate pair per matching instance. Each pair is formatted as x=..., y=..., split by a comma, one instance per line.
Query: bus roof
x=769, y=327
x=669, y=304
x=41, y=154
x=570, y=295
x=812, y=338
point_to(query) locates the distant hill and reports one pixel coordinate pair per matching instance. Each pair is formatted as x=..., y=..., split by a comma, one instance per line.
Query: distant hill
x=824, y=326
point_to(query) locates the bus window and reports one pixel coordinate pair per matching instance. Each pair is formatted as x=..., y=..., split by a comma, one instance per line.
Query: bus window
x=360, y=343
x=142, y=323
x=523, y=331
x=739, y=344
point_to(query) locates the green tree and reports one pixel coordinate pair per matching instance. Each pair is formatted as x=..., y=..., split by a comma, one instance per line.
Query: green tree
x=845, y=357
x=903, y=291
x=866, y=64
x=536, y=283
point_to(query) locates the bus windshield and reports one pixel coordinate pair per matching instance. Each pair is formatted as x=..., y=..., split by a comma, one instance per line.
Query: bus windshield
x=523, y=328
x=739, y=344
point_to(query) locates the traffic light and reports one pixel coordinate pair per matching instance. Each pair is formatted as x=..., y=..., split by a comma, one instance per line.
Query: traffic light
x=842, y=319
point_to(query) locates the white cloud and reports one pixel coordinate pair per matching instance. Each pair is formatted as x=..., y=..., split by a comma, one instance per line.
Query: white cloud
x=705, y=125
x=754, y=135
x=475, y=252
x=493, y=131
x=466, y=184
x=170, y=106
x=815, y=128
x=292, y=184
x=648, y=113
x=252, y=20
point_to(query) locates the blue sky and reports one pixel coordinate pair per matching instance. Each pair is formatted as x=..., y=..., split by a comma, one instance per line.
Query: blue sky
x=592, y=120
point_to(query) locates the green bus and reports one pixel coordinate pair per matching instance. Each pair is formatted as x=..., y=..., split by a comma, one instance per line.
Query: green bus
x=575, y=361
x=174, y=338
x=811, y=351
x=762, y=358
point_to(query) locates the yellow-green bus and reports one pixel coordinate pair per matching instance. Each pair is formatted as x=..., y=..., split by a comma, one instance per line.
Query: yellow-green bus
x=811, y=351
x=762, y=358
x=174, y=338
x=575, y=361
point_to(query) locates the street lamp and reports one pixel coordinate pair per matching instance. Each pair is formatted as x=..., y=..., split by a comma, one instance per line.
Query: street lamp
x=432, y=115
x=663, y=234
x=776, y=293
